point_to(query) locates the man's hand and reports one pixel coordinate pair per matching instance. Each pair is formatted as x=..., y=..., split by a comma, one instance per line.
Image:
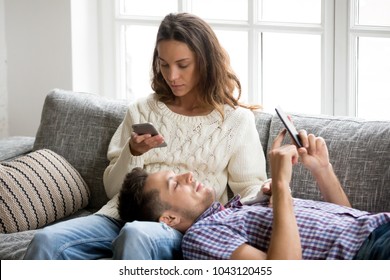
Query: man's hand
x=315, y=157
x=314, y=153
x=282, y=159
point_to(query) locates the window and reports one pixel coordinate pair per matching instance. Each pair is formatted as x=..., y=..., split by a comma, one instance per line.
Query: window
x=308, y=56
x=370, y=51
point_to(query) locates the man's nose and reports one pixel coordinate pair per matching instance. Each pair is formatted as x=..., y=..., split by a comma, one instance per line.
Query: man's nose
x=188, y=177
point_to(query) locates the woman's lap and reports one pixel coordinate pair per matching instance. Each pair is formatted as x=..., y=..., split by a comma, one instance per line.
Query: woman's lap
x=147, y=241
x=98, y=236
x=88, y=237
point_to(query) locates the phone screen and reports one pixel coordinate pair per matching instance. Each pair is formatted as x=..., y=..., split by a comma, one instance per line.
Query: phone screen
x=289, y=126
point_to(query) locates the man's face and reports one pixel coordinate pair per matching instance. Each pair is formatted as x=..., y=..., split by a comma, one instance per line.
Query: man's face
x=182, y=192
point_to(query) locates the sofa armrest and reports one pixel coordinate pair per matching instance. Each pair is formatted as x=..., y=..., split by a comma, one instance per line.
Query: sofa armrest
x=15, y=146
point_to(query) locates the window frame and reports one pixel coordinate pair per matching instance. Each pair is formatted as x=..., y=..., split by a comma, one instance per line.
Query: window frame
x=354, y=32
x=338, y=34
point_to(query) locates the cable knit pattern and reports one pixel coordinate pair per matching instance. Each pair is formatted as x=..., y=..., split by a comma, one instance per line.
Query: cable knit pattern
x=217, y=152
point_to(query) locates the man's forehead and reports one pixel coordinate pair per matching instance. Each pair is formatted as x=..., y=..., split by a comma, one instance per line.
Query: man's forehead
x=158, y=179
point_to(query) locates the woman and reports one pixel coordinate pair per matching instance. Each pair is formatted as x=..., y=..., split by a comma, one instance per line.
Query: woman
x=205, y=128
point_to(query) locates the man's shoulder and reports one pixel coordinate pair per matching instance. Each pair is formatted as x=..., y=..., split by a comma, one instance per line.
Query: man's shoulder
x=215, y=217
x=213, y=237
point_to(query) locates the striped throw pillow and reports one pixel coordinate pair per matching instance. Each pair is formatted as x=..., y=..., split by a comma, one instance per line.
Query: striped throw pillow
x=37, y=189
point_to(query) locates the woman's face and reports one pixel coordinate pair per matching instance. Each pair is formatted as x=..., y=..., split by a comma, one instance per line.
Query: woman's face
x=178, y=67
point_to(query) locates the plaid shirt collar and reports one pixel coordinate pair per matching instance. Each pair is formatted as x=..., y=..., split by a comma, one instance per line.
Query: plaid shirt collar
x=217, y=206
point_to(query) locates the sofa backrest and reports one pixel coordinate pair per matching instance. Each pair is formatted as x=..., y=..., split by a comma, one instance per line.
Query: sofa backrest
x=359, y=151
x=263, y=125
x=79, y=126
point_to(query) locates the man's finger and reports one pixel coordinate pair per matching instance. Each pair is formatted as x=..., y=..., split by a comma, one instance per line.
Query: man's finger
x=279, y=139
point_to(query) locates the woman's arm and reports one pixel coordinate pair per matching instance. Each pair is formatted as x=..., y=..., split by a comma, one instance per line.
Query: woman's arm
x=120, y=157
x=246, y=168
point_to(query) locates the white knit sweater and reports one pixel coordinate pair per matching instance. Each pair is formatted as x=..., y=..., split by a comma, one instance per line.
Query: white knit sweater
x=217, y=152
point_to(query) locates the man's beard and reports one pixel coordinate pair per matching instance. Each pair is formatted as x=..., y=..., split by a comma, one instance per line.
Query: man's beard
x=193, y=214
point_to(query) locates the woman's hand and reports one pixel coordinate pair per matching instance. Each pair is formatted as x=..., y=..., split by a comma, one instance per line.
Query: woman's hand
x=140, y=144
x=266, y=188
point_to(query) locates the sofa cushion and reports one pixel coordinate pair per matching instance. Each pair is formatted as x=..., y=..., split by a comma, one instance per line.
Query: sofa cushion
x=79, y=126
x=359, y=151
x=37, y=189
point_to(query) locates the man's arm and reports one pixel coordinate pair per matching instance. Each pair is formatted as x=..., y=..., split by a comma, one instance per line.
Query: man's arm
x=315, y=157
x=285, y=241
x=248, y=252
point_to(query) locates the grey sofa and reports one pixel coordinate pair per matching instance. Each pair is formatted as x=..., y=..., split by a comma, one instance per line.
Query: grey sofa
x=79, y=126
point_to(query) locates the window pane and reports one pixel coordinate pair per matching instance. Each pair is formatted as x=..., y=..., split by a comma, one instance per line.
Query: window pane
x=138, y=42
x=147, y=7
x=296, y=11
x=236, y=44
x=373, y=12
x=292, y=72
x=221, y=9
x=373, y=77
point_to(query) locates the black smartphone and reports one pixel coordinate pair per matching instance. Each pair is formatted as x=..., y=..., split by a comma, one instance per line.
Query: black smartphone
x=147, y=128
x=289, y=126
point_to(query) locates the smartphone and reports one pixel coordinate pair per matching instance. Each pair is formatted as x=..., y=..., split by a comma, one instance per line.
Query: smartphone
x=147, y=128
x=289, y=126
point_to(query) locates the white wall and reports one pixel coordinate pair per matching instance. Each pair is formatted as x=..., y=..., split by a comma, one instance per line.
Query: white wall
x=51, y=44
x=3, y=76
x=85, y=46
x=38, y=41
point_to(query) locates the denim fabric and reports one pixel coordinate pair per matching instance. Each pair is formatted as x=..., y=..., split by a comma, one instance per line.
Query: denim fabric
x=377, y=245
x=96, y=237
x=84, y=238
x=147, y=241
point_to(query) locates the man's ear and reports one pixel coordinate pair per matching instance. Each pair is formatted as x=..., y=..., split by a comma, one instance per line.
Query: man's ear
x=169, y=218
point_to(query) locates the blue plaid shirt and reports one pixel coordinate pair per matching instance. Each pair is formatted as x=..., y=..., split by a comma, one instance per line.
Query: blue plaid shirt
x=327, y=231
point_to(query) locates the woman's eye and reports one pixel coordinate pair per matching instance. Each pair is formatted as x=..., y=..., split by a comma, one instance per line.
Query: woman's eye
x=183, y=66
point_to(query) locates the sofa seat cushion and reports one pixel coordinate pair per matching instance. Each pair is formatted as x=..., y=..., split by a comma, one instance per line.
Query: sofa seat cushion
x=37, y=189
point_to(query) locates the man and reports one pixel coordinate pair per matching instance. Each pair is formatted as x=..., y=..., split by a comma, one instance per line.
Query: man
x=290, y=229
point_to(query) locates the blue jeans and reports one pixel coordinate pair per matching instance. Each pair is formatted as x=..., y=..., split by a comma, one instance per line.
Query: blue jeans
x=91, y=237
x=147, y=241
x=377, y=245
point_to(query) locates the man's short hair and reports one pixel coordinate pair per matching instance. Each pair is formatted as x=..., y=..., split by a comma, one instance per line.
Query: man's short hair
x=136, y=204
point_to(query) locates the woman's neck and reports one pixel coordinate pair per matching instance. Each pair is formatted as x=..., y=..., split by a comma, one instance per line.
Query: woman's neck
x=189, y=106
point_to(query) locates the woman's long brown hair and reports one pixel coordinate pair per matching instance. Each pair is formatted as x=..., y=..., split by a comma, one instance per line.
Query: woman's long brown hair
x=217, y=79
